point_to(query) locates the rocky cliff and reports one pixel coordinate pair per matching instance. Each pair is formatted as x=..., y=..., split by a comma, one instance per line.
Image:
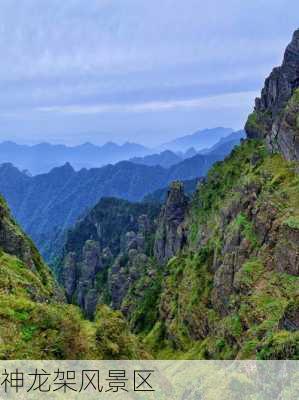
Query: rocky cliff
x=15, y=243
x=221, y=279
x=216, y=277
x=275, y=117
x=35, y=321
x=106, y=251
x=170, y=235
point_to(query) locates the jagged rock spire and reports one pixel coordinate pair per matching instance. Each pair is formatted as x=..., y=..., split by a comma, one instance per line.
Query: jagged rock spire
x=275, y=117
x=170, y=235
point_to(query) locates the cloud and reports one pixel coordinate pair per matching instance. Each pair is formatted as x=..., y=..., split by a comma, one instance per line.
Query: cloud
x=227, y=100
x=83, y=58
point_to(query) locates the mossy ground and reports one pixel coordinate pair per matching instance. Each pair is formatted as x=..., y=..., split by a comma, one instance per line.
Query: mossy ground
x=32, y=326
x=189, y=326
x=173, y=311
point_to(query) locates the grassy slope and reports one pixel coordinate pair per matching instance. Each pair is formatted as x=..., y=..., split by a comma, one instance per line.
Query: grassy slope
x=33, y=329
x=190, y=326
x=35, y=323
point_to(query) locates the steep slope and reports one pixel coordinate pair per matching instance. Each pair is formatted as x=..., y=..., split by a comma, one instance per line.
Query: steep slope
x=35, y=323
x=233, y=289
x=160, y=195
x=115, y=234
x=222, y=278
x=275, y=117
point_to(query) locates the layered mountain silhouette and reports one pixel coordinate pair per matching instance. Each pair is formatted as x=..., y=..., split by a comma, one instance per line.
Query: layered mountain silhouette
x=45, y=205
x=43, y=157
x=210, y=276
x=199, y=140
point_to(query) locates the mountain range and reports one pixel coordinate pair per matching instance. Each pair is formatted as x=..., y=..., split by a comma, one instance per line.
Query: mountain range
x=47, y=204
x=43, y=157
x=211, y=276
x=199, y=140
x=167, y=158
x=214, y=276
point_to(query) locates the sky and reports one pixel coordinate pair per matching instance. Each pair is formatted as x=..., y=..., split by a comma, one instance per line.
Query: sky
x=78, y=71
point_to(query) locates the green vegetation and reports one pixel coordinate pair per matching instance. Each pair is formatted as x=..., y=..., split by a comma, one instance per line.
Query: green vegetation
x=292, y=222
x=35, y=321
x=252, y=122
x=232, y=292
x=34, y=327
x=247, y=198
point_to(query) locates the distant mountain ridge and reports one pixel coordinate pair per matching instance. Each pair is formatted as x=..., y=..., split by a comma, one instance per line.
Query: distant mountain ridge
x=225, y=143
x=199, y=140
x=47, y=204
x=43, y=157
x=167, y=158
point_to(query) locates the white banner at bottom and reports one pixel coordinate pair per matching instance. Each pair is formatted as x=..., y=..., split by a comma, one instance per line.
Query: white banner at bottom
x=171, y=380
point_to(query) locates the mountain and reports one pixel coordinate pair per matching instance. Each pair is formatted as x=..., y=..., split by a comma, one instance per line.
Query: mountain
x=47, y=204
x=219, y=150
x=165, y=159
x=159, y=196
x=275, y=117
x=198, y=140
x=111, y=230
x=222, y=278
x=36, y=322
x=214, y=276
x=226, y=144
x=43, y=157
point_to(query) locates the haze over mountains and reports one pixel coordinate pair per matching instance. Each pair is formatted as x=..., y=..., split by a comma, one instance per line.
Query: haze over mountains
x=43, y=157
x=47, y=204
x=199, y=140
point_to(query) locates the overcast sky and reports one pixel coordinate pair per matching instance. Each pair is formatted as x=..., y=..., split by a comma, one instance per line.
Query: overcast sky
x=146, y=71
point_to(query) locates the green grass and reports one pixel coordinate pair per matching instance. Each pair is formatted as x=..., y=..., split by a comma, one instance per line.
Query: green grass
x=235, y=192
x=292, y=222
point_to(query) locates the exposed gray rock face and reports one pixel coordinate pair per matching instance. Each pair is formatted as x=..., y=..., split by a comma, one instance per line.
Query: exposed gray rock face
x=171, y=233
x=126, y=270
x=275, y=117
x=286, y=253
x=13, y=240
x=257, y=228
x=290, y=319
x=106, y=252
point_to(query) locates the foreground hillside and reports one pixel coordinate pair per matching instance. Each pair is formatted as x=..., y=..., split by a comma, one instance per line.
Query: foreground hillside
x=214, y=276
x=35, y=321
x=233, y=291
x=222, y=279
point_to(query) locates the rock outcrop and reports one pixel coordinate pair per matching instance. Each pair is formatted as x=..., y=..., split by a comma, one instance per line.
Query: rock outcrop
x=171, y=233
x=14, y=242
x=275, y=117
x=106, y=251
x=214, y=276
